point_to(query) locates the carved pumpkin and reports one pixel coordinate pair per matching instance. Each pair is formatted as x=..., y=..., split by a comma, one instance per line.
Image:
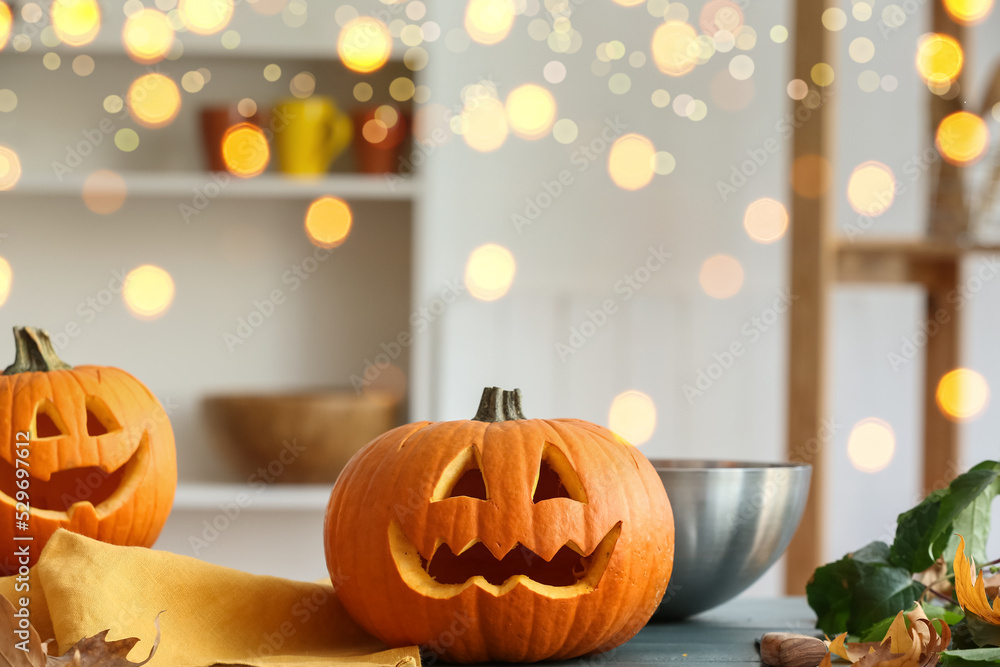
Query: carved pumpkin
x=501, y=537
x=100, y=456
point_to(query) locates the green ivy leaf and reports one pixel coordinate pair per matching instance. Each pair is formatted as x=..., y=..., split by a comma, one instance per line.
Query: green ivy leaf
x=923, y=533
x=970, y=657
x=934, y=612
x=973, y=523
x=984, y=634
x=859, y=590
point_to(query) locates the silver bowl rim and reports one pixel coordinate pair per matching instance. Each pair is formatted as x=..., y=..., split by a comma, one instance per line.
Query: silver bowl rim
x=721, y=466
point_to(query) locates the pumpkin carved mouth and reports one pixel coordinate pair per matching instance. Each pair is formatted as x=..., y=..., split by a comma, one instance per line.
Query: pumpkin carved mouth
x=65, y=490
x=569, y=573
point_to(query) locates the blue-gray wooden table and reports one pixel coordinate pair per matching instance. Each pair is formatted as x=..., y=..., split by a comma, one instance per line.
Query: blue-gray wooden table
x=726, y=634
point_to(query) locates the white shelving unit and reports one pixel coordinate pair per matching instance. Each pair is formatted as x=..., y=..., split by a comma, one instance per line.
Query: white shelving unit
x=244, y=247
x=266, y=186
x=271, y=498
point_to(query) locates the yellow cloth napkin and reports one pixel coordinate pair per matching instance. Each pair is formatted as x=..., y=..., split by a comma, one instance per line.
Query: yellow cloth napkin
x=212, y=614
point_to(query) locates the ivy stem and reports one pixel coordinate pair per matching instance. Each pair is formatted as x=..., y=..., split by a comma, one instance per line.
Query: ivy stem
x=930, y=590
x=992, y=562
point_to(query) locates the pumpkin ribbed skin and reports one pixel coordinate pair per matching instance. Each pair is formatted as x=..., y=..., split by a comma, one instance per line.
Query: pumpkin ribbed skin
x=392, y=479
x=129, y=473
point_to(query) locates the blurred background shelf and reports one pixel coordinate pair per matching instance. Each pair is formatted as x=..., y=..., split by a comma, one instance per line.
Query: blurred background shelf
x=252, y=497
x=266, y=186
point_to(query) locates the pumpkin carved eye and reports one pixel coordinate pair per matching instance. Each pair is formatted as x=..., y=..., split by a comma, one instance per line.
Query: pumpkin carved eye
x=100, y=420
x=48, y=423
x=462, y=477
x=556, y=478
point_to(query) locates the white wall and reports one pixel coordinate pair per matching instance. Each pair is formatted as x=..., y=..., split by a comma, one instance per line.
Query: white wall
x=569, y=260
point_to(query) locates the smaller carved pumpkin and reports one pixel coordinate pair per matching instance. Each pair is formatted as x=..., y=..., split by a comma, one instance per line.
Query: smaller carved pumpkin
x=500, y=538
x=99, y=457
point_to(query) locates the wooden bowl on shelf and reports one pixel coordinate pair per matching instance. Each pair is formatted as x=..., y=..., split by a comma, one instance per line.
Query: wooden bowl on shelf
x=297, y=437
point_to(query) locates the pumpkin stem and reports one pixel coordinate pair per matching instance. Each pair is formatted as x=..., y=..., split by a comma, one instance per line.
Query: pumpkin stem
x=34, y=353
x=498, y=405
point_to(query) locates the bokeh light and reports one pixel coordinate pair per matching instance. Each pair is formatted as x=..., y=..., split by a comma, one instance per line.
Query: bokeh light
x=245, y=150
x=302, y=85
x=10, y=168
x=968, y=12
x=148, y=291
x=765, y=220
x=6, y=280
x=205, y=17
x=631, y=161
x=861, y=49
x=822, y=74
x=148, y=36
x=632, y=417
x=531, y=111
x=83, y=65
x=8, y=100
x=939, y=58
x=153, y=100
x=6, y=21
x=364, y=44
x=489, y=21
x=721, y=276
x=104, y=191
x=962, y=138
x=797, y=89
x=489, y=272
x=719, y=15
x=328, y=222
x=871, y=188
x=962, y=394
x=126, y=139
x=871, y=445
x=834, y=19
x=675, y=48
x=76, y=22
x=484, y=125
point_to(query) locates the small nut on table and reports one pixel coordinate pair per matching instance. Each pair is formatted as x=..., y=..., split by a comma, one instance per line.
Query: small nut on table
x=786, y=649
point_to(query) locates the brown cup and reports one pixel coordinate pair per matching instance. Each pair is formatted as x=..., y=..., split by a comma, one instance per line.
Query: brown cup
x=380, y=157
x=214, y=123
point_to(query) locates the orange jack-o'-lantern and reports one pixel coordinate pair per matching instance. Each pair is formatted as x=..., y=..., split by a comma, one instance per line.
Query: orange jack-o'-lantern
x=501, y=537
x=89, y=449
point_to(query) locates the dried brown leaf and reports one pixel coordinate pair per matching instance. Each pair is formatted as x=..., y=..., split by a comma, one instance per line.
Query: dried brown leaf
x=920, y=645
x=94, y=651
x=10, y=654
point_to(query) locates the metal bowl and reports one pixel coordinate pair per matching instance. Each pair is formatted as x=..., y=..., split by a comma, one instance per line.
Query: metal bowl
x=732, y=521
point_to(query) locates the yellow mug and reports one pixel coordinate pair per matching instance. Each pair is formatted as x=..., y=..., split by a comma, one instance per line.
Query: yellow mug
x=309, y=134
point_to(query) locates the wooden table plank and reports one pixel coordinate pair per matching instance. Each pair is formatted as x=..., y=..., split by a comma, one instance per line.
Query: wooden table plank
x=727, y=634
